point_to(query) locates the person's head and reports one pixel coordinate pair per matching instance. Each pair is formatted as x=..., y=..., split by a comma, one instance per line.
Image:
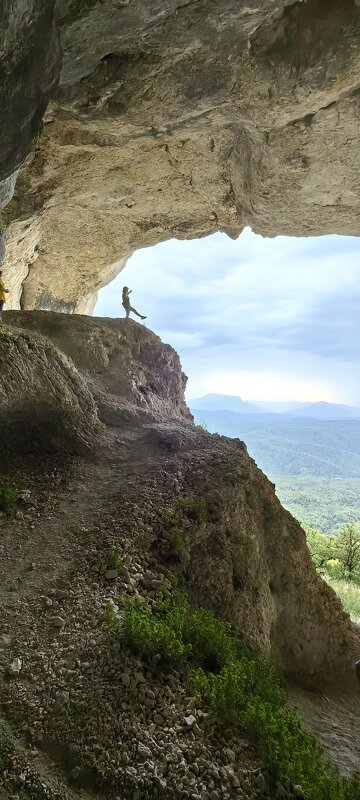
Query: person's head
x=125, y=288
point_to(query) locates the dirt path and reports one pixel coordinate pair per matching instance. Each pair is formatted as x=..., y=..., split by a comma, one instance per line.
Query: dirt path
x=49, y=536
x=70, y=516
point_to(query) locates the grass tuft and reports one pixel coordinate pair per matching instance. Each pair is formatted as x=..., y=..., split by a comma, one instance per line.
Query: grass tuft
x=9, y=498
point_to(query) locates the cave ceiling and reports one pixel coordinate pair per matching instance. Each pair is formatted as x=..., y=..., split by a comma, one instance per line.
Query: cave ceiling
x=170, y=118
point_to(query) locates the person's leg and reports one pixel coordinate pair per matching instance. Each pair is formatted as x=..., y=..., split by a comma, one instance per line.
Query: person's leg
x=137, y=313
x=1, y=308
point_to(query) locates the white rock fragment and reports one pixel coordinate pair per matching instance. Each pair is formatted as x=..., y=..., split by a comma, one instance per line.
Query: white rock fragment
x=15, y=666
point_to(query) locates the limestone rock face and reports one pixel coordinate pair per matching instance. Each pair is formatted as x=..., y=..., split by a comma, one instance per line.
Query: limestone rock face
x=248, y=561
x=178, y=119
x=126, y=368
x=45, y=405
x=29, y=72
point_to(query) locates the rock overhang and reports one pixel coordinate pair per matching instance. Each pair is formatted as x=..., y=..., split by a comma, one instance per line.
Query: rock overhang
x=180, y=119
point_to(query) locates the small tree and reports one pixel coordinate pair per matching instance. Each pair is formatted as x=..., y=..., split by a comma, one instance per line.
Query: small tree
x=322, y=548
x=347, y=550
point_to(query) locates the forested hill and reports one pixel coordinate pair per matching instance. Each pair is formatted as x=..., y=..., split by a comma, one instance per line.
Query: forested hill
x=285, y=445
x=314, y=464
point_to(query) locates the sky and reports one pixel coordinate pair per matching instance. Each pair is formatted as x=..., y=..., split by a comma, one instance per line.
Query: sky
x=265, y=319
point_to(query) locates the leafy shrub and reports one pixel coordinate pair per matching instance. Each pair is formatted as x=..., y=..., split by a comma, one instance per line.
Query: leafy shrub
x=148, y=634
x=337, y=559
x=6, y=336
x=114, y=560
x=334, y=569
x=193, y=508
x=240, y=686
x=30, y=341
x=168, y=517
x=110, y=619
x=39, y=133
x=9, y=498
x=176, y=543
x=10, y=338
x=99, y=425
x=338, y=555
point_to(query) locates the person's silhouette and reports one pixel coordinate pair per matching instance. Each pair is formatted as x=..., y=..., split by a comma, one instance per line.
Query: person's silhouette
x=126, y=303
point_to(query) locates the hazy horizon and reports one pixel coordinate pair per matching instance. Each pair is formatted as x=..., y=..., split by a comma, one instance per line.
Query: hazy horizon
x=287, y=400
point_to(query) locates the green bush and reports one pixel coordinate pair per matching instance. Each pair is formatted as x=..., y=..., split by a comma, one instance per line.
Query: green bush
x=176, y=543
x=12, y=339
x=39, y=133
x=6, y=336
x=149, y=635
x=30, y=341
x=9, y=498
x=114, y=560
x=99, y=426
x=195, y=509
x=110, y=619
x=240, y=686
x=168, y=517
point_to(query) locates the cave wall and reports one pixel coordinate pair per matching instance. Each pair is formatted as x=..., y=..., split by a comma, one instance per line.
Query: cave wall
x=173, y=119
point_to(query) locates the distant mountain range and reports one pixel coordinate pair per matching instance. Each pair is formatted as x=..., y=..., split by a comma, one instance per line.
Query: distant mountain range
x=320, y=410
x=299, y=444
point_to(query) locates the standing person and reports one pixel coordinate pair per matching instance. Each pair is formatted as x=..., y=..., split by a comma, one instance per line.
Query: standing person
x=3, y=293
x=126, y=303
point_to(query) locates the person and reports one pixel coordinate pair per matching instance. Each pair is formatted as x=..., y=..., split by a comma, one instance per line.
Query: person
x=3, y=293
x=126, y=303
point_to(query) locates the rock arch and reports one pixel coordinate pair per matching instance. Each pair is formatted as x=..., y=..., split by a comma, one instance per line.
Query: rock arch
x=172, y=118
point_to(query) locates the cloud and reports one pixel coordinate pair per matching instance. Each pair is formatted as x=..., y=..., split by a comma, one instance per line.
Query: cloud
x=287, y=307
